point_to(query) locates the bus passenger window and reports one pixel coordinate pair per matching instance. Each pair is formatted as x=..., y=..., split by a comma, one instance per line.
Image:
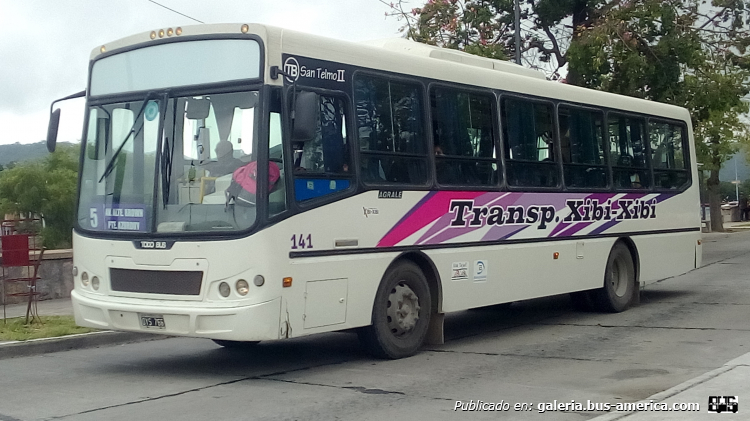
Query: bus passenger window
x=322, y=164
x=668, y=155
x=390, y=129
x=627, y=150
x=529, y=143
x=582, y=147
x=464, y=138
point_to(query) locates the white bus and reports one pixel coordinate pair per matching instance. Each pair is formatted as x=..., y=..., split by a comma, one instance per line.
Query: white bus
x=245, y=183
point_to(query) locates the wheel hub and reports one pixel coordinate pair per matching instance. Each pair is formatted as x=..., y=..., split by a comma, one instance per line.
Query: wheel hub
x=619, y=278
x=403, y=310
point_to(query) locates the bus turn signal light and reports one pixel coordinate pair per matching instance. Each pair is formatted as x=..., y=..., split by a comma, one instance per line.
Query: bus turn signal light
x=287, y=282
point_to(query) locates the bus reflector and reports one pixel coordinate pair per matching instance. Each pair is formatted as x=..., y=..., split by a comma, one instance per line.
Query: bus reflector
x=161, y=33
x=555, y=255
x=178, y=31
x=699, y=242
x=287, y=282
x=153, y=34
x=169, y=32
x=245, y=28
x=103, y=49
x=259, y=280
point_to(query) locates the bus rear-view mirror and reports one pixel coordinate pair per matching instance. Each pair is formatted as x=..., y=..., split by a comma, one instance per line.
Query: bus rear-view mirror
x=197, y=108
x=54, y=123
x=306, y=110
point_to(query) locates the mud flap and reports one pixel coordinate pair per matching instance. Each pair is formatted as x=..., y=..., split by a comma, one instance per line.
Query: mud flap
x=435, y=330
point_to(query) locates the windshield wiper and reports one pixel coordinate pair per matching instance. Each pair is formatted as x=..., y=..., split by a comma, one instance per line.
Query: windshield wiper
x=166, y=169
x=131, y=133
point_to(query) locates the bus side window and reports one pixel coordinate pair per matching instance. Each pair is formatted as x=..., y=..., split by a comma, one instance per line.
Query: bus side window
x=628, y=152
x=529, y=143
x=582, y=147
x=390, y=129
x=668, y=155
x=322, y=164
x=464, y=140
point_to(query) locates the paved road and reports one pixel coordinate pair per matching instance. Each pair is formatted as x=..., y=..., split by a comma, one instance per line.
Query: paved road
x=538, y=351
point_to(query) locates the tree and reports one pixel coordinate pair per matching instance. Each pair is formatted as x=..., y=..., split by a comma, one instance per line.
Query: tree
x=486, y=28
x=46, y=188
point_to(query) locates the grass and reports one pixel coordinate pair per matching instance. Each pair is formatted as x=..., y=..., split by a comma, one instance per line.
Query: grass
x=51, y=326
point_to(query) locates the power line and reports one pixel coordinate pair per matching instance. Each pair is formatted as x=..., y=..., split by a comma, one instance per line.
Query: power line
x=172, y=10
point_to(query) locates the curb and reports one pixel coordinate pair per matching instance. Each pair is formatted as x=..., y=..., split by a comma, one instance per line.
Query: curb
x=743, y=360
x=66, y=343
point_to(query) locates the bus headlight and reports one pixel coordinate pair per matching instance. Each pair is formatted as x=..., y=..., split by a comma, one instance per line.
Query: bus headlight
x=85, y=279
x=242, y=287
x=95, y=283
x=224, y=289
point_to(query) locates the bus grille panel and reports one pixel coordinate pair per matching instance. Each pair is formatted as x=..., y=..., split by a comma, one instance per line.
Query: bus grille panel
x=156, y=281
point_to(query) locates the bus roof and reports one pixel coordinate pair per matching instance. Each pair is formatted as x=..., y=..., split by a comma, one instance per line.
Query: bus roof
x=408, y=58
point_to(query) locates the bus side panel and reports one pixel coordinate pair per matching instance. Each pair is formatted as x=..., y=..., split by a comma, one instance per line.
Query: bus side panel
x=361, y=275
x=665, y=255
x=508, y=273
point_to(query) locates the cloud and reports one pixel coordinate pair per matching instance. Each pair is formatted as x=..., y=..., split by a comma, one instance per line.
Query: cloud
x=46, y=44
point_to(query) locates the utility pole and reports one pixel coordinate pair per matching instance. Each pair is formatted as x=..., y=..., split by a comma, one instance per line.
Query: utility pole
x=736, y=181
x=518, y=31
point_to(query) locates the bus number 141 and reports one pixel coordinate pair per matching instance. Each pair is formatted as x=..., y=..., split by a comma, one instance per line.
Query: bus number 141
x=302, y=241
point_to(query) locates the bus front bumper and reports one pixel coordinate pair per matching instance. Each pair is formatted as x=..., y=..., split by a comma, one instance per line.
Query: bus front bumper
x=256, y=322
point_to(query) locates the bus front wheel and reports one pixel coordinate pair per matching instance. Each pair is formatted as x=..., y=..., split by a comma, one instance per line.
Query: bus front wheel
x=400, y=315
x=619, y=281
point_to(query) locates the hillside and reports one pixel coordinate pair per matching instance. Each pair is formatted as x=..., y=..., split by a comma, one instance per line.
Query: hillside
x=18, y=152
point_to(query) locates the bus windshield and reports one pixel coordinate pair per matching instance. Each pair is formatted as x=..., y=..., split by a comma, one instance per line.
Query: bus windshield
x=164, y=164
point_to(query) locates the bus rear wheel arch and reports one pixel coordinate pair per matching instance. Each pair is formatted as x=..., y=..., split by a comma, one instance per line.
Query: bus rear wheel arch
x=401, y=313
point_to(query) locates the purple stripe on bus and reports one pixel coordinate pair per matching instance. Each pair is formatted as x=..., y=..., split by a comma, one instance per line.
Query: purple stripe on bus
x=502, y=232
x=607, y=225
x=574, y=229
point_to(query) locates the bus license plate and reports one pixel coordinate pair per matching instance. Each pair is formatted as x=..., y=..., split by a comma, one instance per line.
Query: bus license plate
x=152, y=322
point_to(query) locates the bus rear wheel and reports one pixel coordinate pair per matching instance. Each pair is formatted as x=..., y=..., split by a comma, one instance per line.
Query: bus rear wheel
x=619, y=281
x=400, y=315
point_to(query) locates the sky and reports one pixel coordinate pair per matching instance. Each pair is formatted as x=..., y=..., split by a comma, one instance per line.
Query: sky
x=45, y=44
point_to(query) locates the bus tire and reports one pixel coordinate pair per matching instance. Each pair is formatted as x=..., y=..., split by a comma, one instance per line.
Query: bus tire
x=619, y=281
x=400, y=314
x=235, y=344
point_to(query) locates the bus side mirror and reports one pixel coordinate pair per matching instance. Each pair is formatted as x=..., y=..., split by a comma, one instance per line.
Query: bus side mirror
x=305, y=120
x=54, y=120
x=54, y=123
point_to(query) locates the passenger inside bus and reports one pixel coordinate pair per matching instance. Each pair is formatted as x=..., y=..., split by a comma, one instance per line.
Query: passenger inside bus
x=225, y=162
